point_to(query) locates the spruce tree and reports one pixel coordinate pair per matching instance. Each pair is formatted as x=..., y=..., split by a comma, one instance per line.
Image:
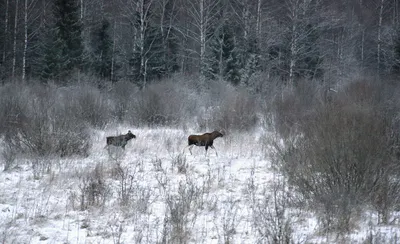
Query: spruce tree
x=64, y=46
x=102, y=51
x=223, y=57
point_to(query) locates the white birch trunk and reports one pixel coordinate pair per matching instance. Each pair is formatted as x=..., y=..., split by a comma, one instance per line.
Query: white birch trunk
x=293, y=44
x=15, y=39
x=246, y=14
x=202, y=41
x=5, y=33
x=380, y=37
x=362, y=45
x=81, y=3
x=141, y=42
x=25, y=40
x=113, y=52
x=259, y=24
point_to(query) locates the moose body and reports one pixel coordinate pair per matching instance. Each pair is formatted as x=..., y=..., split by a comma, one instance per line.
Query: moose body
x=205, y=140
x=121, y=140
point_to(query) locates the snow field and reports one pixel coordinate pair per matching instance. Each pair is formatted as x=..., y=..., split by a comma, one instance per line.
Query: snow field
x=156, y=192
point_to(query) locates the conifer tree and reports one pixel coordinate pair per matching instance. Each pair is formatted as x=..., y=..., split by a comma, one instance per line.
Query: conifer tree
x=102, y=50
x=64, y=46
x=223, y=58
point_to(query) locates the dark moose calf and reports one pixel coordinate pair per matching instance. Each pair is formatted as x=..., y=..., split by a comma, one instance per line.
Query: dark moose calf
x=205, y=140
x=121, y=140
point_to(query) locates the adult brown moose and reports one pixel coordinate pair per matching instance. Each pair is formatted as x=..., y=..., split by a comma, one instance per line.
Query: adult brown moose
x=205, y=140
x=121, y=140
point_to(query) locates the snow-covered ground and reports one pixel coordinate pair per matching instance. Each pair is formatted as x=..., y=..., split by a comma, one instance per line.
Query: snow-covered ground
x=156, y=192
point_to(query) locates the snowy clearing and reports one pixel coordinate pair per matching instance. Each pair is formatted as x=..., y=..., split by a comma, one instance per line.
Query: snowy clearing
x=156, y=192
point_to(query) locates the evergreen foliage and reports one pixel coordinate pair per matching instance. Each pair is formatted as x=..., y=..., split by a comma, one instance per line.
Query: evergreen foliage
x=223, y=58
x=228, y=40
x=64, y=46
x=102, y=50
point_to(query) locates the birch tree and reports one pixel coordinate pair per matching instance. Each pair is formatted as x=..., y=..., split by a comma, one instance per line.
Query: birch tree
x=140, y=15
x=168, y=16
x=14, y=59
x=200, y=30
x=303, y=26
x=5, y=34
x=25, y=39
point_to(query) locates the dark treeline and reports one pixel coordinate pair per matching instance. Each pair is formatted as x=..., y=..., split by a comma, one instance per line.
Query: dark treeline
x=145, y=40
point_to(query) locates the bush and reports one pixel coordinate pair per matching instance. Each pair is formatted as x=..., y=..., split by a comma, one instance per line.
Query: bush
x=85, y=103
x=124, y=94
x=238, y=110
x=39, y=121
x=337, y=156
x=12, y=108
x=163, y=103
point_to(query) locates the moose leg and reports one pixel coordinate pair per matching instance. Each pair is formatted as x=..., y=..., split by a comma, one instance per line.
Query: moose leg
x=214, y=149
x=190, y=149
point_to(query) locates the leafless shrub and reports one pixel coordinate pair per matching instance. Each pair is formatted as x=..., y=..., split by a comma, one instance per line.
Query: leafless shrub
x=236, y=109
x=130, y=192
x=9, y=155
x=182, y=211
x=340, y=155
x=292, y=107
x=381, y=238
x=87, y=104
x=40, y=167
x=41, y=123
x=126, y=186
x=12, y=108
x=271, y=217
x=123, y=94
x=117, y=229
x=157, y=164
x=228, y=220
x=179, y=161
x=159, y=104
x=93, y=190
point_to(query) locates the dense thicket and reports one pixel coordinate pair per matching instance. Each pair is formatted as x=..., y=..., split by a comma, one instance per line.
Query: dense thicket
x=145, y=40
x=42, y=119
x=341, y=150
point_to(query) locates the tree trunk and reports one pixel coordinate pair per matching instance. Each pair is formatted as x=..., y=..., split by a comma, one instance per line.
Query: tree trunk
x=379, y=38
x=259, y=24
x=293, y=52
x=141, y=42
x=202, y=41
x=5, y=34
x=15, y=39
x=113, y=52
x=362, y=46
x=25, y=40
